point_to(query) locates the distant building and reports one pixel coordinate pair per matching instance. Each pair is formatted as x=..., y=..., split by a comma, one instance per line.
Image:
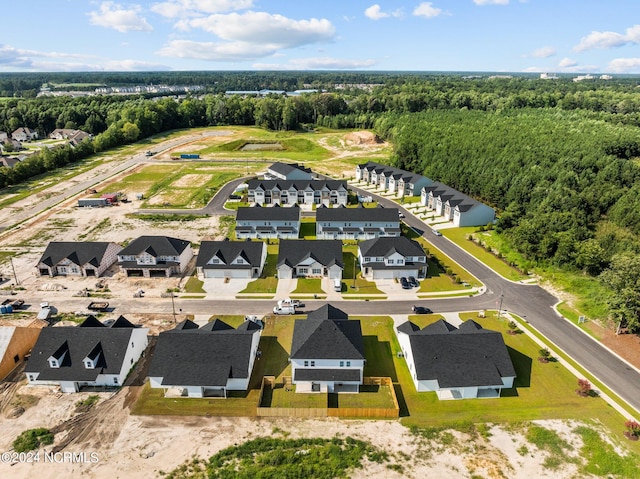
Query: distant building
x=268, y=222
x=288, y=171
x=456, y=207
x=356, y=223
x=77, y=258
x=301, y=192
x=24, y=134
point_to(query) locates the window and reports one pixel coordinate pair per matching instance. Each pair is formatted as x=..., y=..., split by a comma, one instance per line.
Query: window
x=400, y=261
x=341, y=364
x=390, y=261
x=53, y=363
x=313, y=363
x=348, y=363
x=133, y=345
x=32, y=377
x=306, y=364
x=316, y=271
x=115, y=380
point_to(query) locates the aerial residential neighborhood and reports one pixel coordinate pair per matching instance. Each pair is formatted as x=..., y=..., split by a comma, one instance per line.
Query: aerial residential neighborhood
x=381, y=274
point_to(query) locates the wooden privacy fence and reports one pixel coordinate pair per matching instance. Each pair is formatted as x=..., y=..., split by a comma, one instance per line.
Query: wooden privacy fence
x=366, y=412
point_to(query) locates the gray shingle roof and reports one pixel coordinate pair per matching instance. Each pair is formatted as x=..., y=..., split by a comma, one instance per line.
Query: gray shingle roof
x=463, y=357
x=382, y=247
x=206, y=356
x=78, y=342
x=80, y=252
x=228, y=251
x=327, y=338
x=156, y=246
x=358, y=214
x=298, y=185
x=326, y=252
x=273, y=213
x=317, y=374
x=286, y=168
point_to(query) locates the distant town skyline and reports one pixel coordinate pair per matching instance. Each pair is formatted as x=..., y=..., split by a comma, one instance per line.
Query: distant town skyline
x=566, y=36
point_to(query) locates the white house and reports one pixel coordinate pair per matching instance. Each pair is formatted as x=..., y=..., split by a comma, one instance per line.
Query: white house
x=90, y=354
x=387, y=258
x=207, y=361
x=389, y=178
x=301, y=192
x=231, y=259
x=24, y=134
x=288, y=171
x=456, y=363
x=155, y=256
x=77, y=258
x=356, y=223
x=268, y=222
x=310, y=258
x=327, y=352
x=456, y=207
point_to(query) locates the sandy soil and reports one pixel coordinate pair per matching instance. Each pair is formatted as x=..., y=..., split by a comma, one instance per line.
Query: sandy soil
x=140, y=446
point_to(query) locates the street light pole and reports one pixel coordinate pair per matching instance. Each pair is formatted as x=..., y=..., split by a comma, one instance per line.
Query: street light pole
x=15, y=277
x=354, y=272
x=500, y=307
x=173, y=307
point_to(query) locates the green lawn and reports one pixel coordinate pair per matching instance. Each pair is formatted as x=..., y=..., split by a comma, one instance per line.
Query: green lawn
x=309, y=286
x=459, y=237
x=307, y=229
x=267, y=282
x=437, y=280
x=368, y=397
x=287, y=397
x=362, y=287
x=194, y=285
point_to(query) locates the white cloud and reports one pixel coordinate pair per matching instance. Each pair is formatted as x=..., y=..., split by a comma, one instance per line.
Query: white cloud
x=609, y=39
x=544, y=52
x=375, y=13
x=212, y=51
x=133, y=66
x=260, y=28
x=186, y=8
x=426, y=9
x=624, y=65
x=567, y=62
x=113, y=15
x=320, y=63
x=491, y=2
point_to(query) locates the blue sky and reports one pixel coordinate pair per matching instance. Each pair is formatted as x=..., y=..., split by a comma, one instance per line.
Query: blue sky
x=563, y=36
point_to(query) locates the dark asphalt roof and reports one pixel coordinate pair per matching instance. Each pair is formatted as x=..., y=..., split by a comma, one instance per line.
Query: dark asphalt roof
x=326, y=252
x=382, y=247
x=463, y=357
x=78, y=342
x=298, y=185
x=155, y=246
x=327, y=339
x=79, y=252
x=272, y=213
x=286, y=168
x=358, y=214
x=206, y=356
x=228, y=251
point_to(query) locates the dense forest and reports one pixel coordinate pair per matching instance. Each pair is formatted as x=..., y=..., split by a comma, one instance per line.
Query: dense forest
x=558, y=159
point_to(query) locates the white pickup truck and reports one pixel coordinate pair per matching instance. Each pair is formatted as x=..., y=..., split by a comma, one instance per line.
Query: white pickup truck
x=290, y=302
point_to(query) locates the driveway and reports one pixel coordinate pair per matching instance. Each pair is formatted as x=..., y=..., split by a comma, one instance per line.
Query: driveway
x=218, y=288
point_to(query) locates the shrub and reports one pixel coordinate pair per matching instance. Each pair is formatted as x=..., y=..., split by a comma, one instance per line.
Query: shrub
x=584, y=388
x=633, y=430
x=32, y=439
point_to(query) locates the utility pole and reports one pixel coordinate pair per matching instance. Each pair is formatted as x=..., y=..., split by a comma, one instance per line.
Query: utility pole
x=15, y=277
x=173, y=307
x=354, y=272
x=500, y=307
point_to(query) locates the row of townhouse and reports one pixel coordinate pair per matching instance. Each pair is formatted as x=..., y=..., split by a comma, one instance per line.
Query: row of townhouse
x=327, y=355
x=301, y=192
x=444, y=201
x=340, y=222
x=162, y=256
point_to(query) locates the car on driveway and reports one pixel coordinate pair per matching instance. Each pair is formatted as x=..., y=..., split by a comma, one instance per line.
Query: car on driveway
x=421, y=310
x=413, y=282
x=404, y=283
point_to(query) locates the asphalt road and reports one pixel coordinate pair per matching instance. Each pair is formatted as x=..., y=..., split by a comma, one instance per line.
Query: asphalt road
x=530, y=302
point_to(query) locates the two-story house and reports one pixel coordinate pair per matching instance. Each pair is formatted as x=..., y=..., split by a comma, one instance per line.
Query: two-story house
x=389, y=178
x=77, y=258
x=268, y=222
x=24, y=134
x=310, y=258
x=356, y=223
x=388, y=258
x=155, y=256
x=207, y=361
x=231, y=259
x=90, y=354
x=456, y=363
x=327, y=352
x=301, y=192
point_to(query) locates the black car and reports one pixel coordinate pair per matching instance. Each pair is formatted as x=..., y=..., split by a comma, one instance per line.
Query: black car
x=404, y=283
x=421, y=310
x=413, y=282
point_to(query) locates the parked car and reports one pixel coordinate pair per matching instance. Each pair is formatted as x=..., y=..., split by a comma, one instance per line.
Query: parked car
x=421, y=310
x=400, y=215
x=436, y=232
x=413, y=282
x=284, y=310
x=404, y=283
